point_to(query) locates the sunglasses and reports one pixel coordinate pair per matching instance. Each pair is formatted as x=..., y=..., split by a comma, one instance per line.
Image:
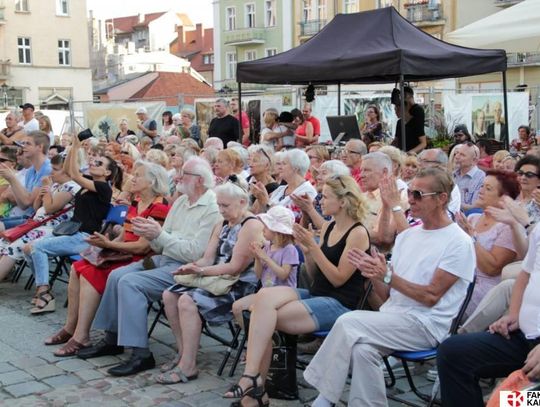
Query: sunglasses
x=418, y=195
x=351, y=152
x=98, y=163
x=265, y=154
x=528, y=174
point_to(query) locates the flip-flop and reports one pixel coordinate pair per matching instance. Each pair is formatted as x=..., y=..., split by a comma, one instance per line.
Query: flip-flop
x=71, y=348
x=62, y=336
x=170, y=365
x=175, y=375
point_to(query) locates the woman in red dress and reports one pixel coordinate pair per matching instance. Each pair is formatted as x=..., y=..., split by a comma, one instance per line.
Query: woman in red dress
x=87, y=282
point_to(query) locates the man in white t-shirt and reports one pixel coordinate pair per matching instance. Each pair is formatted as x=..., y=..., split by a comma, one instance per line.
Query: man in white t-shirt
x=512, y=342
x=424, y=287
x=29, y=122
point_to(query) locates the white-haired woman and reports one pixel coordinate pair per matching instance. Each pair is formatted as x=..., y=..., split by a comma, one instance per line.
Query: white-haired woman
x=311, y=209
x=87, y=281
x=260, y=169
x=228, y=253
x=186, y=128
x=294, y=166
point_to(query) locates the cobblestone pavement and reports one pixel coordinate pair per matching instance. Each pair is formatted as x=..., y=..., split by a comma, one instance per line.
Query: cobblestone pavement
x=31, y=376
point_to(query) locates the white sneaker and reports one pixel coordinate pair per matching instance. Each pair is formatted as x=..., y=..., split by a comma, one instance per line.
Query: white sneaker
x=432, y=374
x=397, y=368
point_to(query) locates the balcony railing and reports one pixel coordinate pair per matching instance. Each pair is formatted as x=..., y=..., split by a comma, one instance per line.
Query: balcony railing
x=523, y=58
x=245, y=36
x=424, y=13
x=506, y=3
x=311, y=27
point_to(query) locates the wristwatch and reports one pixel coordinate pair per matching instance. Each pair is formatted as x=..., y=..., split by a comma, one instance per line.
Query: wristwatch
x=397, y=208
x=388, y=276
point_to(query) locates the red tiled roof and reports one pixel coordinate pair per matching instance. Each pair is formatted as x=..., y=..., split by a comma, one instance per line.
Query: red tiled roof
x=168, y=85
x=126, y=24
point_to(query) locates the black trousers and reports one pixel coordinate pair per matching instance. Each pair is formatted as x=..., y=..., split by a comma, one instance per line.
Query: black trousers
x=463, y=359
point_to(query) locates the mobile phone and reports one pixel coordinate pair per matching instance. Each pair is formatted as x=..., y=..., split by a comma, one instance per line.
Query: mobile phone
x=18, y=144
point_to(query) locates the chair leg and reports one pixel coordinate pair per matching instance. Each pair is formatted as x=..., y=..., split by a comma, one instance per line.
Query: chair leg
x=29, y=282
x=239, y=351
x=160, y=312
x=392, y=377
x=229, y=351
x=420, y=395
x=19, y=268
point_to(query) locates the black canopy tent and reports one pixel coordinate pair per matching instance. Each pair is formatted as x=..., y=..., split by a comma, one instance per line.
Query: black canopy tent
x=377, y=46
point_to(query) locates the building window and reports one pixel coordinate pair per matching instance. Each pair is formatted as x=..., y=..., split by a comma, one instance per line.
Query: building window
x=321, y=10
x=350, y=6
x=23, y=45
x=307, y=8
x=208, y=59
x=251, y=55
x=269, y=52
x=230, y=24
x=62, y=8
x=21, y=5
x=250, y=15
x=270, y=13
x=64, y=54
x=231, y=65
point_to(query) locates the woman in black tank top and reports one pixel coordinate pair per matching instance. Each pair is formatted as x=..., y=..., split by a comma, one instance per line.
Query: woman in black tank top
x=337, y=285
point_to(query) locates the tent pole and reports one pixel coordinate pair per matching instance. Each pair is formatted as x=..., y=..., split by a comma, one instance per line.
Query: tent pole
x=402, y=107
x=240, y=112
x=339, y=98
x=506, y=115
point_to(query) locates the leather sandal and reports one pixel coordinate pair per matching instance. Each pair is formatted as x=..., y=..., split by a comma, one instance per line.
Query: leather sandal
x=238, y=392
x=71, y=348
x=255, y=393
x=62, y=336
x=170, y=365
x=175, y=375
x=49, y=303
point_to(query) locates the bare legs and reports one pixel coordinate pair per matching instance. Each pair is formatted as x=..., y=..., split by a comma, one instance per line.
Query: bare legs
x=6, y=265
x=273, y=308
x=186, y=325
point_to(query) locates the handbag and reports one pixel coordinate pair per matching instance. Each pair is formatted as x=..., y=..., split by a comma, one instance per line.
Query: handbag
x=102, y=258
x=217, y=285
x=18, y=231
x=67, y=228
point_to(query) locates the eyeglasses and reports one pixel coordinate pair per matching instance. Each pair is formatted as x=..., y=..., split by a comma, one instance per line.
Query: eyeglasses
x=182, y=173
x=418, y=195
x=528, y=174
x=313, y=157
x=98, y=163
x=352, y=152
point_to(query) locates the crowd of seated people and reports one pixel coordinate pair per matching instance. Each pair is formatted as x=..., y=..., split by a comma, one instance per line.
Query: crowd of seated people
x=293, y=235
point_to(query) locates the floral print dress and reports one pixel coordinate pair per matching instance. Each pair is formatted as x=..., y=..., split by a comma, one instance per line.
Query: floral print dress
x=14, y=249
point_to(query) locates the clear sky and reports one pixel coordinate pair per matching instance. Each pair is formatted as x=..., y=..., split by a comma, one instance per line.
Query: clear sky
x=199, y=11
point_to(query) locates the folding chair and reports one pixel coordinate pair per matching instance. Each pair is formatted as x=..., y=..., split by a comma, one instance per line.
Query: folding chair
x=424, y=356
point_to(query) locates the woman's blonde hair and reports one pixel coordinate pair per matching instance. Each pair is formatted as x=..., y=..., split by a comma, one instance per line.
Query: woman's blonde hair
x=234, y=158
x=157, y=157
x=320, y=151
x=500, y=155
x=346, y=188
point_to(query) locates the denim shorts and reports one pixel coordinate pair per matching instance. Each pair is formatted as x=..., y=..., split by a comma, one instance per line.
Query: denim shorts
x=323, y=310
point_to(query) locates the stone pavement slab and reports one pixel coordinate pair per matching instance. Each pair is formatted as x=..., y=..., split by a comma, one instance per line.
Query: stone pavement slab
x=30, y=375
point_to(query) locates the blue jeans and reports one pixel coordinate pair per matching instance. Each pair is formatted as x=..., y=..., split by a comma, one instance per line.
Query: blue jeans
x=54, y=246
x=463, y=359
x=12, y=221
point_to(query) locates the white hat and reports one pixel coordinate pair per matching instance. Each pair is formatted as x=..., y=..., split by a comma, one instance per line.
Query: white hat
x=141, y=110
x=278, y=219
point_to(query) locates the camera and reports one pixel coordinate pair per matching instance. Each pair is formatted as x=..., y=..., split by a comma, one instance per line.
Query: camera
x=85, y=134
